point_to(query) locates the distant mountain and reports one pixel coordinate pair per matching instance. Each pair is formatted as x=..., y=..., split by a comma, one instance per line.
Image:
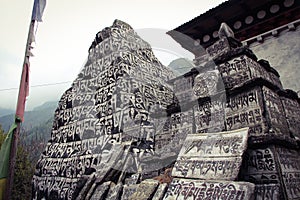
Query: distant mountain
x=181, y=65
x=47, y=105
x=5, y=111
x=38, y=121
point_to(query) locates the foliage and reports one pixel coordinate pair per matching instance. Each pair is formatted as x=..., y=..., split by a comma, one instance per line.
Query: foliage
x=23, y=172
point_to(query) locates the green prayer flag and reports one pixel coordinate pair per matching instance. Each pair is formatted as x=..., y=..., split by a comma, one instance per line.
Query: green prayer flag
x=4, y=159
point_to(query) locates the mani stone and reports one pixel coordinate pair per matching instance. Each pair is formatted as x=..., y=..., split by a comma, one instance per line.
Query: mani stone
x=193, y=189
x=260, y=166
x=267, y=191
x=209, y=114
x=238, y=69
x=290, y=168
x=145, y=190
x=109, y=115
x=222, y=46
x=170, y=137
x=183, y=87
x=291, y=105
x=211, y=156
x=273, y=165
x=260, y=109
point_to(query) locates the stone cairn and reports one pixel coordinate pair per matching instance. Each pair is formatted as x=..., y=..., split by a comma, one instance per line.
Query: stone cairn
x=129, y=129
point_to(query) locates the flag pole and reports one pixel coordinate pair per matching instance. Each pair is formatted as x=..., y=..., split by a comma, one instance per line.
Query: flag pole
x=19, y=119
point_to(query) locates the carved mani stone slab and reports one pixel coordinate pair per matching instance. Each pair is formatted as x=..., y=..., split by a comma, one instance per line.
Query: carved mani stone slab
x=239, y=70
x=183, y=88
x=209, y=115
x=260, y=109
x=259, y=166
x=267, y=192
x=290, y=168
x=292, y=114
x=222, y=46
x=214, y=156
x=188, y=189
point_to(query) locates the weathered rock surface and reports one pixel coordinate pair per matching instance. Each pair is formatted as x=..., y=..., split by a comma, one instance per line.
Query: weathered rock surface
x=145, y=190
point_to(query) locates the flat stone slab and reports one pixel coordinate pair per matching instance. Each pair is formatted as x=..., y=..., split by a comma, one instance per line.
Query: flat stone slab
x=211, y=155
x=187, y=189
x=145, y=190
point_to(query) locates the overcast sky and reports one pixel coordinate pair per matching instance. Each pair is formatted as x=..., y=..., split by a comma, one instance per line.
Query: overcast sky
x=67, y=30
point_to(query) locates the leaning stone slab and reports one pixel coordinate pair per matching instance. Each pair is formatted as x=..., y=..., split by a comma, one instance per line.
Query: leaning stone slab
x=101, y=191
x=114, y=192
x=145, y=190
x=192, y=189
x=160, y=192
x=211, y=155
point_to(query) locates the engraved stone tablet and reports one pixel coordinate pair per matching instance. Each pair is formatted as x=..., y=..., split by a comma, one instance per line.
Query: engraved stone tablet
x=211, y=155
x=259, y=166
x=290, y=168
x=292, y=114
x=205, y=84
x=260, y=109
x=187, y=189
x=267, y=191
x=239, y=70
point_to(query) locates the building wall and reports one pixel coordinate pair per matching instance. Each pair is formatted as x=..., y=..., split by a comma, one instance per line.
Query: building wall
x=283, y=54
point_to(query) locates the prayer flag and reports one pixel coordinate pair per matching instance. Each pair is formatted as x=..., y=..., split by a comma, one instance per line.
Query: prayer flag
x=4, y=159
x=38, y=9
x=23, y=91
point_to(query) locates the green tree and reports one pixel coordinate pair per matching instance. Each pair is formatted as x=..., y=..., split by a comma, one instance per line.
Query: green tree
x=22, y=174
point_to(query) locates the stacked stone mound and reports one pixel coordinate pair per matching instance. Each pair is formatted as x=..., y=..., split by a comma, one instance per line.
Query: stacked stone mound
x=128, y=129
x=104, y=128
x=243, y=91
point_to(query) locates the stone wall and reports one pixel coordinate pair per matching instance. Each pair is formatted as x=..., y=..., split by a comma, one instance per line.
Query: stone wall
x=283, y=53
